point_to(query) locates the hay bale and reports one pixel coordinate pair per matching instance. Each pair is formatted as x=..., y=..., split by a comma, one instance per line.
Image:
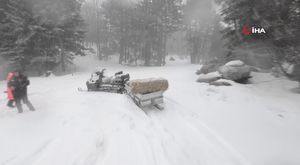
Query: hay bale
x=144, y=86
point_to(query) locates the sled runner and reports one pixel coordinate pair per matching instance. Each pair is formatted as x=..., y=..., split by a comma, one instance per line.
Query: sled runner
x=145, y=100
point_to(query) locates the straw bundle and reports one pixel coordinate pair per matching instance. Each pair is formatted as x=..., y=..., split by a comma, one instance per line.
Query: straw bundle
x=144, y=86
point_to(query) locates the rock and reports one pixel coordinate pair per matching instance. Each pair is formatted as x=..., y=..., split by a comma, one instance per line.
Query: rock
x=291, y=71
x=198, y=72
x=220, y=83
x=207, y=69
x=208, y=78
x=254, y=69
x=235, y=63
x=235, y=73
x=276, y=72
x=49, y=74
x=172, y=59
x=296, y=72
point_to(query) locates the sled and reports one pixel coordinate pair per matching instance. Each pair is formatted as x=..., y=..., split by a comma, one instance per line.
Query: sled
x=154, y=99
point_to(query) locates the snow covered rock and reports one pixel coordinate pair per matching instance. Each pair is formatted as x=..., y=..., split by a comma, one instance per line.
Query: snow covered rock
x=235, y=63
x=198, y=72
x=288, y=67
x=143, y=86
x=277, y=72
x=254, y=69
x=235, y=73
x=220, y=83
x=296, y=72
x=207, y=69
x=291, y=71
x=172, y=59
x=208, y=78
x=49, y=74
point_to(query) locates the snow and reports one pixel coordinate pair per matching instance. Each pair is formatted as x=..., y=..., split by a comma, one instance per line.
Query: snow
x=235, y=63
x=288, y=67
x=257, y=124
x=211, y=75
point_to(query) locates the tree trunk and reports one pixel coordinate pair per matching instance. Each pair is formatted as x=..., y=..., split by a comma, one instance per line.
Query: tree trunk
x=99, y=54
x=63, y=63
x=62, y=57
x=160, y=52
x=147, y=52
x=122, y=50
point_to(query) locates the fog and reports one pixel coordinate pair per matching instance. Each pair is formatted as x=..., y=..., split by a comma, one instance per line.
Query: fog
x=202, y=10
x=144, y=31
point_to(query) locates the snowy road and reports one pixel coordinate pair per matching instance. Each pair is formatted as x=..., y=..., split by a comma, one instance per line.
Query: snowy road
x=201, y=125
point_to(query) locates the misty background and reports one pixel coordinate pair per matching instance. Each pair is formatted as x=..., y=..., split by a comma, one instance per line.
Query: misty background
x=47, y=35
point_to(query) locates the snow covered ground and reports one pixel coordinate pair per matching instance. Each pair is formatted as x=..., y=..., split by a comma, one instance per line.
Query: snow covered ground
x=257, y=124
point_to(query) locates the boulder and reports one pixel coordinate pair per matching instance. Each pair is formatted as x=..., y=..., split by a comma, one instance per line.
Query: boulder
x=172, y=59
x=276, y=72
x=208, y=78
x=255, y=69
x=49, y=74
x=220, y=83
x=235, y=73
x=207, y=69
x=296, y=72
x=235, y=63
x=144, y=86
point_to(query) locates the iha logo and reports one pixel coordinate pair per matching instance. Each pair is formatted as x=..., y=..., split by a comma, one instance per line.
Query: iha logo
x=247, y=30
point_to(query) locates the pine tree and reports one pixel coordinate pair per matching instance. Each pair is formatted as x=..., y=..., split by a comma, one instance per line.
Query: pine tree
x=41, y=33
x=17, y=32
x=279, y=20
x=142, y=28
x=199, y=22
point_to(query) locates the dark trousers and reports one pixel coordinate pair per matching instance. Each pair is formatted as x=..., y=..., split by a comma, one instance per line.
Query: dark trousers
x=10, y=103
x=25, y=101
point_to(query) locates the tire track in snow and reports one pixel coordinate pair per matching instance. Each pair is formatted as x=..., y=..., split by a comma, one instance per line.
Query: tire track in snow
x=9, y=160
x=96, y=154
x=168, y=143
x=192, y=120
x=31, y=157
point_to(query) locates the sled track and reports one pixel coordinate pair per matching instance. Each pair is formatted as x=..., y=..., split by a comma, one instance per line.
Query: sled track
x=193, y=122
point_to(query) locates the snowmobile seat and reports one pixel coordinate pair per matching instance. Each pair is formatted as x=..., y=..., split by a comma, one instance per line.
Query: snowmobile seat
x=119, y=73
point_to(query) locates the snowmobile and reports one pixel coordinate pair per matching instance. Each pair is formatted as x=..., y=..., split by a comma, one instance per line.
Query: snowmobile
x=115, y=83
